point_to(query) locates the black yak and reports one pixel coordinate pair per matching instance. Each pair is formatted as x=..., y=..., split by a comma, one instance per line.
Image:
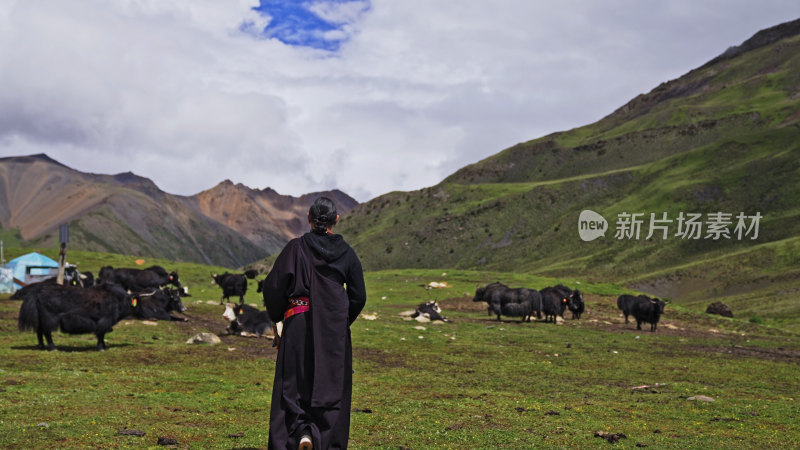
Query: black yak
x=232, y=284
x=137, y=280
x=554, y=302
x=429, y=310
x=575, y=304
x=649, y=310
x=75, y=310
x=245, y=319
x=625, y=304
x=157, y=304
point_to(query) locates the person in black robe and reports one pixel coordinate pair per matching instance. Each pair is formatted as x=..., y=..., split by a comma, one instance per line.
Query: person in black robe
x=305, y=289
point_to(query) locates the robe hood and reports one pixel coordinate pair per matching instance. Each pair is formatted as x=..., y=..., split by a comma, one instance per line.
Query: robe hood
x=329, y=247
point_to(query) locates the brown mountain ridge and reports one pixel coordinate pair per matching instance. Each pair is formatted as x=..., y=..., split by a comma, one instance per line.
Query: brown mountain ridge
x=228, y=225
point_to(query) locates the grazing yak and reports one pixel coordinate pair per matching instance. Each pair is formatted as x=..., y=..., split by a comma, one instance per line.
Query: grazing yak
x=625, y=304
x=75, y=310
x=575, y=302
x=137, y=280
x=502, y=300
x=649, y=310
x=246, y=320
x=554, y=302
x=232, y=284
x=158, y=303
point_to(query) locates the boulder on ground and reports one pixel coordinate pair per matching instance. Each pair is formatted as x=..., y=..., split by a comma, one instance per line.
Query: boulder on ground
x=700, y=398
x=720, y=309
x=204, y=338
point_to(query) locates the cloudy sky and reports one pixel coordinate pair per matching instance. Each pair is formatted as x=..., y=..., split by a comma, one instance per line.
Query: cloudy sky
x=367, y=96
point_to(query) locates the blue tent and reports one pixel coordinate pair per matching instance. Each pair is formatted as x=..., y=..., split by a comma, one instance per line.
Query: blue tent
x=32, y=267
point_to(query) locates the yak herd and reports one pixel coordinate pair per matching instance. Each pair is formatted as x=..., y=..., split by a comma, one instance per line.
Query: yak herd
x=524, y=302
x=553, y=301
x=85, y=305
x=81, y=306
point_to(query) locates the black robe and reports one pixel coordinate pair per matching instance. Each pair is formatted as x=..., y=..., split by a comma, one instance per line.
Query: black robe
x=313, y=382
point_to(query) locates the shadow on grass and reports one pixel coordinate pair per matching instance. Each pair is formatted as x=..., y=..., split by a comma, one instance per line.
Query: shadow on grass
x=70, y=349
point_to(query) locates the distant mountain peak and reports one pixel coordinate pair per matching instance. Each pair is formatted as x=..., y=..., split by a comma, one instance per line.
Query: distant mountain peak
x=38, y=157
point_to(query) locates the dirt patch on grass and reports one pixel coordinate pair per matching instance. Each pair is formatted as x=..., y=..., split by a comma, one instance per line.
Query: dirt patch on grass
x=770, y=354
x=381, y=358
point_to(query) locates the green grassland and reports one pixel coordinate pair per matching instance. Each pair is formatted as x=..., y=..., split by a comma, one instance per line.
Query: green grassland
x=473, y=382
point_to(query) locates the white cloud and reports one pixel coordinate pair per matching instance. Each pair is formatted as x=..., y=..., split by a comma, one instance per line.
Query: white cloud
x=186, y=94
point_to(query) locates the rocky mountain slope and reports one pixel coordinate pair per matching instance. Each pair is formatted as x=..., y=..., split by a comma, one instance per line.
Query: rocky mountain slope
x=228, y=225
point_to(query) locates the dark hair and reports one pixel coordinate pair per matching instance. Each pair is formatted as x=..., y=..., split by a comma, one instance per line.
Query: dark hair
x=322, y=214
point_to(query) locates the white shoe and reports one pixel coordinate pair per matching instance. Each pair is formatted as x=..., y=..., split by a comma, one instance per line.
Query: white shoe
x=305, y=443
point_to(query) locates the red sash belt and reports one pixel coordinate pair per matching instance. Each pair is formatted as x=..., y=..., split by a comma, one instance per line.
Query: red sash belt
x=297, y=305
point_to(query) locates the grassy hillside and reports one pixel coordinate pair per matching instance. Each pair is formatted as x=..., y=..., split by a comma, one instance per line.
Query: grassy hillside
x=470, y=383
x=723, y=138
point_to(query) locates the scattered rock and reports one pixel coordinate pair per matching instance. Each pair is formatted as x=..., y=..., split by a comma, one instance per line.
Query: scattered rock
x=420, y=327
x=648, y=388
x=422, y=319
x=204, y=338
x=167, y=441
x=149, y=322
x=701, y=398
x=236, y=435
x=127, y=432
x=43, y=425
x=369, y=316
x=610, y=437
x=720, y=309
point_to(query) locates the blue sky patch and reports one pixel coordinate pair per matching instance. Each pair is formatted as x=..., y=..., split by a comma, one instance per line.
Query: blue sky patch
x=318, y=24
